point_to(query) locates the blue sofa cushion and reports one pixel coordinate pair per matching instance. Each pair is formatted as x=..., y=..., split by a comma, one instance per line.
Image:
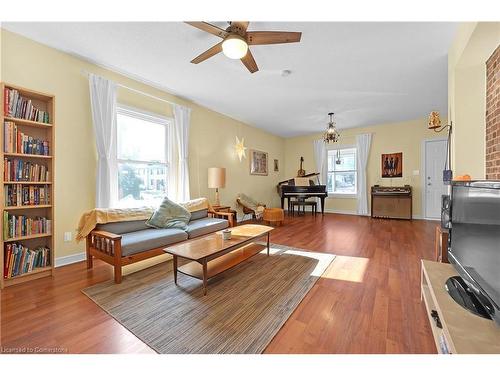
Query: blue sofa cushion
x=200, y=214
x=123, y=226
x=207, y=225
x=148, y=239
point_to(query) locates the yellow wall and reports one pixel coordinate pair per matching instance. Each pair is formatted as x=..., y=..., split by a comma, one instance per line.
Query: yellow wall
x=33, y=65
x=473, y=45
x=403, y=137
x=212, y=135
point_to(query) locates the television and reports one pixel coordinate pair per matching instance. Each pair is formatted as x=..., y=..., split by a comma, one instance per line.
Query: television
x=474, y=247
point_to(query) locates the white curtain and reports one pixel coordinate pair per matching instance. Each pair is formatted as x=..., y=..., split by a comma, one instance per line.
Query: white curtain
x=363, y=142
x=103, y=104
x=320, y=160
x=182, y=117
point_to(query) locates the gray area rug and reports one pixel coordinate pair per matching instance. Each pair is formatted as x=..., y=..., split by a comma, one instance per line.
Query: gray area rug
x=243, y=310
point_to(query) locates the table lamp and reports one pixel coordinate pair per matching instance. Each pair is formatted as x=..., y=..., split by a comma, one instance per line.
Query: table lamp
x=216, y=180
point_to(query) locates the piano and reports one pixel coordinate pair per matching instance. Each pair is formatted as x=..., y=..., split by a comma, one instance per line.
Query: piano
x=391, y=202
x=287, y=190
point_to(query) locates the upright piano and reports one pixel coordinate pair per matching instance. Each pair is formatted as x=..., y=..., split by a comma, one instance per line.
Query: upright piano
x=287, y=189
x=391, y=202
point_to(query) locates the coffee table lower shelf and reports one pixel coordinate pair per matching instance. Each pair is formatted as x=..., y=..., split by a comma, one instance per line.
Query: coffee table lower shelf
x=221, y=264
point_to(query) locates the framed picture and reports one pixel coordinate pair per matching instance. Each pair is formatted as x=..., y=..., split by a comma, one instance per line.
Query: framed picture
x=276, y=165
x=258, y=163
x=392, y=165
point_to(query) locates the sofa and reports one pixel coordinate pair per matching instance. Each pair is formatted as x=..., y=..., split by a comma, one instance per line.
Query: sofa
x=126, y=242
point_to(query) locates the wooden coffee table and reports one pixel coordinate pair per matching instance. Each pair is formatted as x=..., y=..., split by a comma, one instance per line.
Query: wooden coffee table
x=211, y=254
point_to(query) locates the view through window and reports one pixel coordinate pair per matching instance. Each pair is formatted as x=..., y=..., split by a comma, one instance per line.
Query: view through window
x=342, y=173
x=142, y=158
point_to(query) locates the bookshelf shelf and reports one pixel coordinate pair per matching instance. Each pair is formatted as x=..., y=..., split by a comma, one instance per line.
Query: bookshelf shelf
x=35, y=274
x=27, y=207
x=36, y=270
x=21, y=121
x=17, y=155
x=26, y=183
x=30, y=237
x=37, y=105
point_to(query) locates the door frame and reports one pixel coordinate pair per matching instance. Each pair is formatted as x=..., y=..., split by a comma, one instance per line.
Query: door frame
x=422, y=176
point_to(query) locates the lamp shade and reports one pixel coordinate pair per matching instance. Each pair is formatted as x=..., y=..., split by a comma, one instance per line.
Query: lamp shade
x=216, y=178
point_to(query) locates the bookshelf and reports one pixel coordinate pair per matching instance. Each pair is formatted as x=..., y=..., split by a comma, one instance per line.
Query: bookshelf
x=31, y=193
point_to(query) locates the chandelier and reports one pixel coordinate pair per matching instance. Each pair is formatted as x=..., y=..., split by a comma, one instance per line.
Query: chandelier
x=331, y=134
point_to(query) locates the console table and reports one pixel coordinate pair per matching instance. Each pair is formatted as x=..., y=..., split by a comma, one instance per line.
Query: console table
x=462, y=332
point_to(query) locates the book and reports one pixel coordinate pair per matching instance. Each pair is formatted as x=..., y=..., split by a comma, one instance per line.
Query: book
x=19, y=259
x=15, y=141
x=22, y=226
x=19, y=107
x=17, y=170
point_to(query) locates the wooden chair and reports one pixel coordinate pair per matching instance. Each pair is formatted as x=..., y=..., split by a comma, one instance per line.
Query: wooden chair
x=248, y=210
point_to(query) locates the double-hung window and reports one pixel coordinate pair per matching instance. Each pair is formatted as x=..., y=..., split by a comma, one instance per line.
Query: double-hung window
x=342, y=171
x=142, y=157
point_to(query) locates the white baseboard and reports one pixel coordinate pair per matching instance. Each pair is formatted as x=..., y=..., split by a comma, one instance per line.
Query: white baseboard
x=341, y=212
x=69, y=259
x=347, y=212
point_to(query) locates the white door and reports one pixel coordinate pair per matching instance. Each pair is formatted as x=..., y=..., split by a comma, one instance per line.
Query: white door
x=435, y=159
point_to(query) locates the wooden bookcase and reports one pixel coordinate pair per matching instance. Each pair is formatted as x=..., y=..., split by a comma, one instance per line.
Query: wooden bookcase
x=38, y=130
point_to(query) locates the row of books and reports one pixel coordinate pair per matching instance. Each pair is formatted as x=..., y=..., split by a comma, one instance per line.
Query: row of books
x=20, y=225
x=19, y=107
x=19, y=259
x=17, y=142
x=26, y=195
x=21, y=170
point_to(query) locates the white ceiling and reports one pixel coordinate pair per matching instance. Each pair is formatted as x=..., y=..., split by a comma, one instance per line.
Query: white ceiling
x=367, y=73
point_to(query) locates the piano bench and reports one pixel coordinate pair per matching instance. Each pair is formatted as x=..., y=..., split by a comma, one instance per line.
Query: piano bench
x=303, y=204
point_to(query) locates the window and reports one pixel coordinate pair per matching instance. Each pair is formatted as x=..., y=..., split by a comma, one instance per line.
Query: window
x=141, y=157
x=342, y=173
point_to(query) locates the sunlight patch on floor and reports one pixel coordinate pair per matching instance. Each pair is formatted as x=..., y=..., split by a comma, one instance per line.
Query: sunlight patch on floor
x=347, y=269
x=323, y=259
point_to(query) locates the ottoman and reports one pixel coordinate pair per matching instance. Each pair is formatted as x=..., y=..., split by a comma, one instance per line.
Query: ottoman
x=274, y=215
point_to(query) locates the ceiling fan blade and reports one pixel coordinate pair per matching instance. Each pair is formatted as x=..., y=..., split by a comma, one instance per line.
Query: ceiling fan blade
x=272, y=37
x=208, y=53
x=243, y=25
x=249, y=62
x=209, y=28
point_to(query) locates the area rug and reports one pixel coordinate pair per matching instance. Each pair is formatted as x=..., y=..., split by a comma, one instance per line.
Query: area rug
x=243, y=310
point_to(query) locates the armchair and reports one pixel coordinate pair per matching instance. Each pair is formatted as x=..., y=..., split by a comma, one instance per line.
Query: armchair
x=250, y=206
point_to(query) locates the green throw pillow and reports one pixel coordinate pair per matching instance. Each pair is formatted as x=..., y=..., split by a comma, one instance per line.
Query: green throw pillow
x=169, y=215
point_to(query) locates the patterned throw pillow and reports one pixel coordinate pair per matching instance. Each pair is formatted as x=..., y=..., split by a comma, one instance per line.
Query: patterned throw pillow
x=169, y=215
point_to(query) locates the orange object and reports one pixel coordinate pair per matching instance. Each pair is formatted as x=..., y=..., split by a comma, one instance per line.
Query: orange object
x=274, y=215
x=464, y=177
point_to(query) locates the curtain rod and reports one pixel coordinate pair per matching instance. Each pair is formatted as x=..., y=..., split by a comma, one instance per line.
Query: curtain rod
x=86, y=74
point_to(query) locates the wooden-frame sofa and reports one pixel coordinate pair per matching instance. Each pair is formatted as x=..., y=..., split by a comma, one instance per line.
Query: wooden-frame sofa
x=123, y=243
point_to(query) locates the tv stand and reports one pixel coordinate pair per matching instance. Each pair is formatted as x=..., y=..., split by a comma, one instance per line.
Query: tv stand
x=455, y=329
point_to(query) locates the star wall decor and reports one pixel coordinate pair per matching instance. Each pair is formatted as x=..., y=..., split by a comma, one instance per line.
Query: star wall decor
x=240, y=148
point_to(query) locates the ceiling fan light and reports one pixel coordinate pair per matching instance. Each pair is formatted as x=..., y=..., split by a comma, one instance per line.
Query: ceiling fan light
x=234, y=47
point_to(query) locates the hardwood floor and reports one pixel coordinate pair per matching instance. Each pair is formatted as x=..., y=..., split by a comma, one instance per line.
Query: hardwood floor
x=368, y=301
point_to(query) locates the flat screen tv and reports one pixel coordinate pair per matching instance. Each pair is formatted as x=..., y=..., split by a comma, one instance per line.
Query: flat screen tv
x=475, y=241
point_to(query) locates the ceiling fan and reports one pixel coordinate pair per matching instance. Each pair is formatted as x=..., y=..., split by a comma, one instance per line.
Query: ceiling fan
x=236, y=40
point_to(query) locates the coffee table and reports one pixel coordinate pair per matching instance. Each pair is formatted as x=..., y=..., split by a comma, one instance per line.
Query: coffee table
x=211, y=254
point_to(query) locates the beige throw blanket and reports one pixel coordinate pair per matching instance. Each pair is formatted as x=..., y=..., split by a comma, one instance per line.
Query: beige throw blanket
x=252, y=204
x=90, y=219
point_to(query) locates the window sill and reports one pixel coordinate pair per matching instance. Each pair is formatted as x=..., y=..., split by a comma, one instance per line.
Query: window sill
x=342, y=196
